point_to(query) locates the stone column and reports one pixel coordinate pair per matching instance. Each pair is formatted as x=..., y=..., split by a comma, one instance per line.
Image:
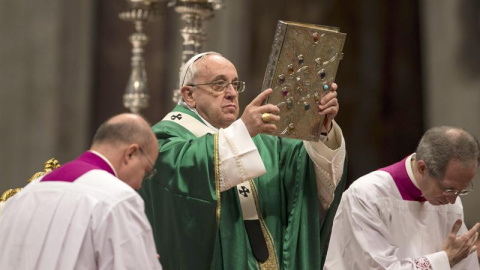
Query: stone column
x=45, y=76
x=451, y=68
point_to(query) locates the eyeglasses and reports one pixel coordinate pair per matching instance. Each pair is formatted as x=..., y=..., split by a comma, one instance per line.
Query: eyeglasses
x=453, y=192
x=220, y=85
x=153, y=171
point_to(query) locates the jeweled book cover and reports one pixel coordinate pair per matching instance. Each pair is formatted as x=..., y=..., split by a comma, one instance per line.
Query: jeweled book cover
x=302, y=65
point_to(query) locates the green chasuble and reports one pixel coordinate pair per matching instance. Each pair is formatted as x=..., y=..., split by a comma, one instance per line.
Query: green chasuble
x=194, y=230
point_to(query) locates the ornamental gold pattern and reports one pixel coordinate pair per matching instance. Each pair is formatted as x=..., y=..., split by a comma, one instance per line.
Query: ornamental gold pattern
x=49, y=166
x=301, y=68
x=272, y=262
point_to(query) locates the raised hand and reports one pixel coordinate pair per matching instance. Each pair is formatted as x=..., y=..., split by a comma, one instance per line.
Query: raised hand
x=459, y=247
x=252, y=115
x=329, y=107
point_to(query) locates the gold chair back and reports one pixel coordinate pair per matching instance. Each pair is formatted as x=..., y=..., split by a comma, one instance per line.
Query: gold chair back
x=50, y=165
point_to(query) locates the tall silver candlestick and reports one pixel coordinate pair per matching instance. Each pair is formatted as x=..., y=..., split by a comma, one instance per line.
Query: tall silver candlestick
x=193, y=13
x=136, y=95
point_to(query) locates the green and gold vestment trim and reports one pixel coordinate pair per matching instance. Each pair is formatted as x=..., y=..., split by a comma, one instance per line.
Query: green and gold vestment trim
x=271, y=263
x=217, y=177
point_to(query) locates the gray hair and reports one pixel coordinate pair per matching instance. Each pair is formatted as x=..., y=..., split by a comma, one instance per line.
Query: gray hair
x=441, y=144
x=189, y=69
x=124, y=130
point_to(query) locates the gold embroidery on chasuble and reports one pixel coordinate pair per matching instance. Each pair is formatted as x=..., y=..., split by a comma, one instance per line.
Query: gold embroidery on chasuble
x=271, y=263
x=217, y=176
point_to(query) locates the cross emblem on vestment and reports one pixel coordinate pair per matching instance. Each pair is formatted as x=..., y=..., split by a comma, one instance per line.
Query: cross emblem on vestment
x=178, y=116
x=244, y=191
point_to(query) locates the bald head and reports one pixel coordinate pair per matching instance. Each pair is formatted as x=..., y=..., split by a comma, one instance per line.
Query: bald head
x=124, y=128
x=127, y=141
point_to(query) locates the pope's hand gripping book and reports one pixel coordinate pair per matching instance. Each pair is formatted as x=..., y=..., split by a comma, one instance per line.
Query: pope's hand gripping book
x=302, y=65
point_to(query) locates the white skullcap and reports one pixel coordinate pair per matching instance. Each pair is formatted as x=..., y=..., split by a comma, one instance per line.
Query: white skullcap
x=186, y=67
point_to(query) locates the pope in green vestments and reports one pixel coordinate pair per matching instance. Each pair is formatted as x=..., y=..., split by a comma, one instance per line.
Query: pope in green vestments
x=193, y=203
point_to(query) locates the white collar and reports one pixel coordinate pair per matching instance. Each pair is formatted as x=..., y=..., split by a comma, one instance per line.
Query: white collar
x=184, y=104
x=408, y=166
x=106, y=160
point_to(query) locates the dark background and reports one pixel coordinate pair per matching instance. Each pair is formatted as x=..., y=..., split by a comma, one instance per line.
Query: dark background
x=379, y=78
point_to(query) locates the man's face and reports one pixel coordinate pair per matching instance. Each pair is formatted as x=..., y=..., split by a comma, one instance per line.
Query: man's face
x=457, y=178
x=138, y=162
x=219, y=108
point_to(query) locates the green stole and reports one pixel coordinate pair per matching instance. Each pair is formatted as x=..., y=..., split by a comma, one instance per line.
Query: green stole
x=193, y=230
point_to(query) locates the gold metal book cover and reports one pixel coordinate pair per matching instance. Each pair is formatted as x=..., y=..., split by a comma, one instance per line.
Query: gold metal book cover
x=302, y=65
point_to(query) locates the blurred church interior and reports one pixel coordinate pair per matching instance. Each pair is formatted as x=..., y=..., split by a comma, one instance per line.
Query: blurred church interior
x=408, y=65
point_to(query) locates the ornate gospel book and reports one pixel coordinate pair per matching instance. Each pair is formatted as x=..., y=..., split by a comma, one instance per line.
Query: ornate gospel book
x=302, y=65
